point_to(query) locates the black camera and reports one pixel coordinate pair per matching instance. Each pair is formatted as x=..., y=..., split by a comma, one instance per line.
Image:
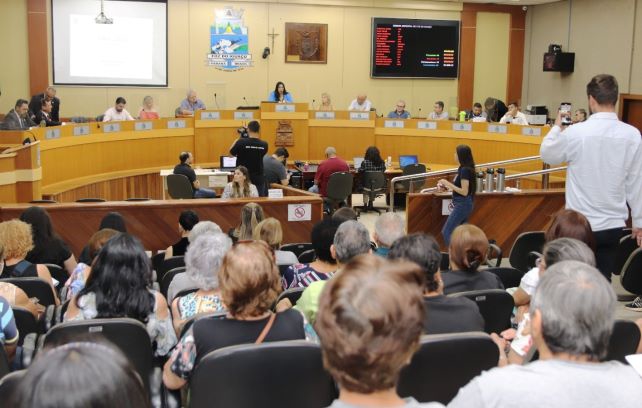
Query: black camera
x=242, y=131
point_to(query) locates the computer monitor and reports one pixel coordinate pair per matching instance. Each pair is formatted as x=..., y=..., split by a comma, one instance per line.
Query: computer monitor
x=406, y=159
x=228, y=162
x=357, y=162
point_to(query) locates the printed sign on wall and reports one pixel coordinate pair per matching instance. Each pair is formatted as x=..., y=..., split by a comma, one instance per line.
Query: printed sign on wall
x=229, y=46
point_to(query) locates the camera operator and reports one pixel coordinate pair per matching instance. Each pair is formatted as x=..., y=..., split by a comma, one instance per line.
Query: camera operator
x=249, y=152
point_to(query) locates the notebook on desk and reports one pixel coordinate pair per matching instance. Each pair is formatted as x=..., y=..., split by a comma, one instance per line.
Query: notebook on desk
x=357, y=162
x=407, y=159
x=228, y=163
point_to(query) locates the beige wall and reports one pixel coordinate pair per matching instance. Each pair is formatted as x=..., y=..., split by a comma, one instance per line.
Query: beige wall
x=601, y=33
x=491, y=56
x=14, y=63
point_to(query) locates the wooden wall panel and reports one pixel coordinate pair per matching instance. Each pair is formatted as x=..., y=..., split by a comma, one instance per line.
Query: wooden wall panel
x=144, y=185
x=38, y=53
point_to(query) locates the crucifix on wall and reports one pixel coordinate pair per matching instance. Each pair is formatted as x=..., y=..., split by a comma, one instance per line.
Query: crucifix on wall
x=273, y=35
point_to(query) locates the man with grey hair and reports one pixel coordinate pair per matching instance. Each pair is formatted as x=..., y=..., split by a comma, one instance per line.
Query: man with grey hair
x=572, y=317
x=202, y=228
x=388, y=228
x=202, y=262
x=351, y=239
x=332, y=164
x=191, y=103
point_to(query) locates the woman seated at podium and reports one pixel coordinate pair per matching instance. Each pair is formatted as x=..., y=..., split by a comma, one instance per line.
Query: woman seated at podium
x=148, y=111
x=279, y=94
x=326, y=103
x=240, y=187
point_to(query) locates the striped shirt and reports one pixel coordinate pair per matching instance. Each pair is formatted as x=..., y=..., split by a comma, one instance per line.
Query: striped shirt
x=301, y=276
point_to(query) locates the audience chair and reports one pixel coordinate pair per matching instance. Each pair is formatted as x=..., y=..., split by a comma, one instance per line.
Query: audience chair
x=168, y=264
x=26, y=323
x=413, y=185
x=374, y=184
x=444, y=363
x=178, y=186
x=525, y=243
x=35, y=288
x=156, y=261
x=245, y=377
x=624, y=251
x=58, y=274
x=128, y=335
x=9, y=383
x=338, y=190
x=293, y=295
x=4, y=364
x=297, y=248
x=189, y=322
x=631, y=275
x=307, y=256
x=495, y=305
x=494, y=253
x=182, y=293
x=167, y=279
x=624, y=340
x=90, y=200
x=444, y=265
x=510, y=277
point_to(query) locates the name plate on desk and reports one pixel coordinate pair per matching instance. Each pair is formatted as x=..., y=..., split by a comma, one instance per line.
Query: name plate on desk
x=463, y=127
x=359, y=115
x=52, y=134
x=175, y=124
x=111, y=127
x=210, y=115
x=427, y=125
x=529, y=131
x=284, y=108
x=324, y=115
x=393, y=124
x=81, y=130
x=243, y=115
x=497, y=129
x=143, y=126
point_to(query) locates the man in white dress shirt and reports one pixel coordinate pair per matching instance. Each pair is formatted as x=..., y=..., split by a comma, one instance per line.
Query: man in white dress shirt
x=117, y=112
x=604, y=157
x=438, y=112
x=360, y=104
x=514, y=116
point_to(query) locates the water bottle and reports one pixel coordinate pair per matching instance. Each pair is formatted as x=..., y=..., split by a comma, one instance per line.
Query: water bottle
x=489, y=180
x=43, y=123
x=306, y=166
x=462, y=116
x=501, y=179
x=479, y=188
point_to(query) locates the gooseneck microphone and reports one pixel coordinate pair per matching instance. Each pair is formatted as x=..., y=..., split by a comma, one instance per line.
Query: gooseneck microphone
x=245, y=100
x=313, y=101
x=216, y=101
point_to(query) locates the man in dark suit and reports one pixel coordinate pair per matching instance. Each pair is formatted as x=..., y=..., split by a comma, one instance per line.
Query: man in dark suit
x=18, y=118
x=36, y=103
x=44, y=115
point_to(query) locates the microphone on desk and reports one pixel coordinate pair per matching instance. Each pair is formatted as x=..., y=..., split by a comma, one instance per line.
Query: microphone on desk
x=27, y=141
x=313, y=101
x=216, y=101
x=245, y=100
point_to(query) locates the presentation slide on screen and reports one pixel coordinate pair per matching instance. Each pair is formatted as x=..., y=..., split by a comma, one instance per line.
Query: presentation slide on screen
x=131, y=51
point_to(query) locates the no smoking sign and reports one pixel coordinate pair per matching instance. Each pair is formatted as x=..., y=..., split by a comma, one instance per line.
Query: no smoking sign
x=299, y=212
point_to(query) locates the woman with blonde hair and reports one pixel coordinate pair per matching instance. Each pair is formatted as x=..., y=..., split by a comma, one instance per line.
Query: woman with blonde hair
x=240, y=187
x=270, y=231
x=326, y=103
x=148, y=111
x=251, y=215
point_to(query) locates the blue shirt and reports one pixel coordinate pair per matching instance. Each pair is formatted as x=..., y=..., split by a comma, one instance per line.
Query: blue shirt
x=286, y=98
x=396, y=115
x=8, y=329
x=186, y=105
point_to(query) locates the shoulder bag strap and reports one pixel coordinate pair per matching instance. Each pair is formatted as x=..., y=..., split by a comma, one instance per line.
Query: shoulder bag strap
x=266, y=329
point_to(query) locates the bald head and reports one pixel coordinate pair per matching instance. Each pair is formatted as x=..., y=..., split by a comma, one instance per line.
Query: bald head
x=330, y=151
x=361, y=98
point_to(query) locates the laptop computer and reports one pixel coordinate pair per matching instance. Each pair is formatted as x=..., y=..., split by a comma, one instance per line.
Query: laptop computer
x=357, y=162
x=228, y=163
x=406, y=159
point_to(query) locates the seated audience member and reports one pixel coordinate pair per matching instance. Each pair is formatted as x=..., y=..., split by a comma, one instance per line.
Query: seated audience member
x=17, y=241
x=113, y=220
x=18, y=117
x=274, y=167
x=117, y=112
x=332, y=164
x=326, y=103
x=269, y=230
x=443, y=314
x=191, y=104
x=566, y=223
x=280, y=94
x=148, y=111
x=251, y=215
x=558, y=250
x=48, y=95
x=495, y=109
x=119, y=286
x=514, y=116
x=202, y=263
x=438, y=112
x=48, y=247
x=400, y=111
x=572, y=317
x=44, y=115
x=344, y=214
x=183, y=281
x=79, y=276
x=13, y=294
x=389, y=227
x=249, y=285
x=372, y=161
x=365, y=344
x=185, y=168
x=476, y=114
x=240, y=186
x=8, y=329
x=80, y=375
x=361, y=103
x=580, y=116
x=467, y=252
x=186, y=221
x=350, y=240
x=324, y=265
